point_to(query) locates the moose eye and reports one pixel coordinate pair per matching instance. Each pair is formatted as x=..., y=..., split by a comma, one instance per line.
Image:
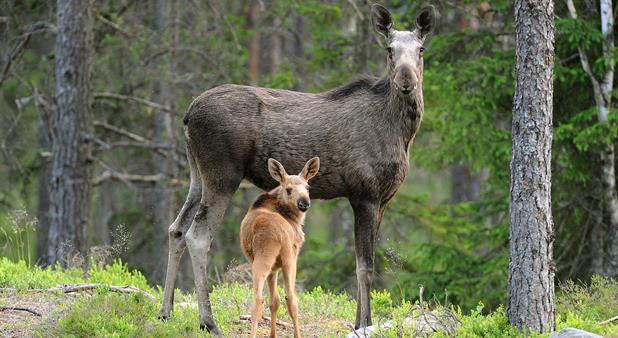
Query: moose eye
x=389, y=50
x=288, y=190
x=421, y=50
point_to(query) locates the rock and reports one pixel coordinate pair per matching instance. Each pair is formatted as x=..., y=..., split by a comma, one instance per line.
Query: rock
x=570, y=332
x=423, y=325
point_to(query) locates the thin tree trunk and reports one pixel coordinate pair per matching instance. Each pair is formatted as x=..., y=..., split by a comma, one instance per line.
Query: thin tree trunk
x=531, y=270
x=164, y=133
x=72, y=131
x=608, y=172
x=298, y=51
x=43, y=193
x=602, y=90
x=253, y=19
x=104, y=212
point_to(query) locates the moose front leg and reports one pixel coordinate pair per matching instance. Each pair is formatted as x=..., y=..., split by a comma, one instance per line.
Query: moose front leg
x=366, y=221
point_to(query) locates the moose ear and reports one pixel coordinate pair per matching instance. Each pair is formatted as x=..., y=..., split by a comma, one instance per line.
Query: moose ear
x=311, y=169
x=382, y=20
x=276, y=170
x=426, y=21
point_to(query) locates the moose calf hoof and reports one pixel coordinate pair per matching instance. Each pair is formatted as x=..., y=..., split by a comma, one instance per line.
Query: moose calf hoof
x=163, y=318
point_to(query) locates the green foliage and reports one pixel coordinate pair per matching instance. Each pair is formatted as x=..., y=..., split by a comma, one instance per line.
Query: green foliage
x=494, y=324
x=21, y=276
x=17, y=229
x=597, y=300
x=323, y=313
x=118, y=274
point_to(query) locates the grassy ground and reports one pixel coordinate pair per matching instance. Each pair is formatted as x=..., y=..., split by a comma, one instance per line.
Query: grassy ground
x=323, y=314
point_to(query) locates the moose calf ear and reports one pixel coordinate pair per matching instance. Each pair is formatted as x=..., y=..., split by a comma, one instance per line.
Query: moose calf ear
x=382, y=20
x=311, y=169
x=426, y=21
x=276, y=170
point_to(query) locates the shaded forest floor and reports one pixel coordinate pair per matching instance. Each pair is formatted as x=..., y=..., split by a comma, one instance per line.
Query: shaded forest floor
x=28, y=309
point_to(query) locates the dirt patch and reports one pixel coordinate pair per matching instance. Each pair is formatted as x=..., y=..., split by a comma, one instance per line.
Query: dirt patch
x=20, y=312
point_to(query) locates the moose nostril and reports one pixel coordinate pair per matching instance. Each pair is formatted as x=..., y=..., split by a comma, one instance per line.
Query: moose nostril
x=303, y=205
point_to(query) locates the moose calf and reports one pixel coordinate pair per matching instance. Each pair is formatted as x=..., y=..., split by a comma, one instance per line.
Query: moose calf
x=271, y=235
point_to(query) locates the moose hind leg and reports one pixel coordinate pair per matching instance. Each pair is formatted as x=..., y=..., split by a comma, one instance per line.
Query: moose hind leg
x=366, y=219
x=199, y=238
x=177, y=245
x=176, y=234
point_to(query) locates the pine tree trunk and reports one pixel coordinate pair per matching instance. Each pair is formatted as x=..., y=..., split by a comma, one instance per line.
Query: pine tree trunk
x=531, y=271
x=163, y=198
x=72, y=131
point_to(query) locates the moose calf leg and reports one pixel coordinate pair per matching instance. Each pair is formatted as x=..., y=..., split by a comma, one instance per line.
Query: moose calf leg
x=274, y=303
x=289, y=278
x=260, y=269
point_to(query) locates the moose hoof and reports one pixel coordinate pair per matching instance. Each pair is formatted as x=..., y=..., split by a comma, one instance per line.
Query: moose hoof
x=163, y=318
x=211, y=328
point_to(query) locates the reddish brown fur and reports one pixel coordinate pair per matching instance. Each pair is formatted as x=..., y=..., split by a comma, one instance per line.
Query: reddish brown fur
x=271, y=236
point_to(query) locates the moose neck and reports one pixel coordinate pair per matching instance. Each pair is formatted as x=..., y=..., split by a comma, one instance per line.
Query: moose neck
x=291, y=214
x=406, y=112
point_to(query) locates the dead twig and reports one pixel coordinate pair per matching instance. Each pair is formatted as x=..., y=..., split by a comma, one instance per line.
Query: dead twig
x=16, y=52
x=108, y=95
x=607, y=321
x=115, y=26
x=19, y=308
x=279, y=321
x=72, y=288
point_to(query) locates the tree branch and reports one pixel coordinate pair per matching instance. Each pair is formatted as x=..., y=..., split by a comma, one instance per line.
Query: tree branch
x=16, y=52
x=114, y=26
x=583, y=58
x=141, y=142
x=19, y=308
x=128, y=179
x=108, y=95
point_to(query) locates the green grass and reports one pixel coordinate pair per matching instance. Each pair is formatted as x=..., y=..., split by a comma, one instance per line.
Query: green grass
x=324, y=314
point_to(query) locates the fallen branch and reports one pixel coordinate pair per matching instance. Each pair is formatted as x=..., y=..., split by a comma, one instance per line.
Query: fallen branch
x=279, y=321
x=607, y=321
x=19, y=308
x=72, y=288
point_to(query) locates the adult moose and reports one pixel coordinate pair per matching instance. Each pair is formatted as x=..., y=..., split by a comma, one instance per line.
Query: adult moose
x=361, y=131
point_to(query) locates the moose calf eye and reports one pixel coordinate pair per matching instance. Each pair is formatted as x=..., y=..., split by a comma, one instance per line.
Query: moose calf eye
x=288, y=190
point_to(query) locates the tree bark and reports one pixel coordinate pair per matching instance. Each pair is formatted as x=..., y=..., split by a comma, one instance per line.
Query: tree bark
x=164, y=133
x=531, y=270
x=72, y=131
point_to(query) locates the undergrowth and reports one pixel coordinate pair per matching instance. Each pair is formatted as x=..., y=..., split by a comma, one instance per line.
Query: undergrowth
x=322, y=313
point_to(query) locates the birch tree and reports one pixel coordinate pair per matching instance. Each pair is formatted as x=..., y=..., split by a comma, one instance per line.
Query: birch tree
x=602, y=87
